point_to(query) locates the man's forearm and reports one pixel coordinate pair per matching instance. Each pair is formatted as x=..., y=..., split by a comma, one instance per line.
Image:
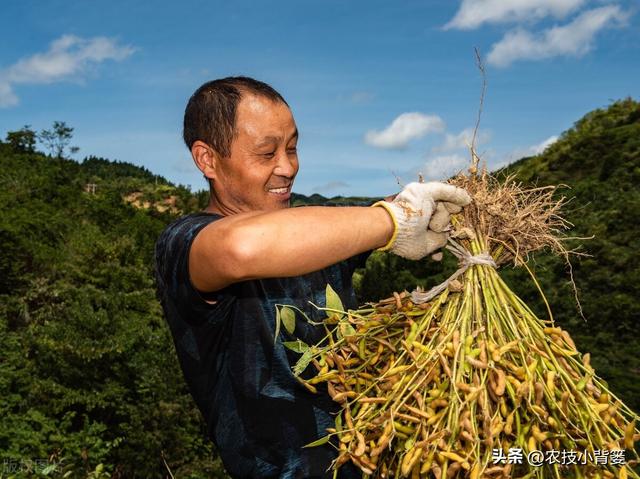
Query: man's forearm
x=296, y=241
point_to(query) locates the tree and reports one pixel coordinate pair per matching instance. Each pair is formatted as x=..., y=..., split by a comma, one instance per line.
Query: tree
x=57, y=140
x=22, y=140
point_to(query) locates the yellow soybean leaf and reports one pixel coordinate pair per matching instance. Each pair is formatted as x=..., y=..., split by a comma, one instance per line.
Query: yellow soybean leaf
x=346, y=330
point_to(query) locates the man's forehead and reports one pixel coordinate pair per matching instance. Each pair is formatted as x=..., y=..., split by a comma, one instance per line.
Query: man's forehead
x=261, y=106
x=262, y=117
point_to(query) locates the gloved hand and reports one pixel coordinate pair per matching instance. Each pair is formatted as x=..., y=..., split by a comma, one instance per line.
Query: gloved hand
x=421, y=213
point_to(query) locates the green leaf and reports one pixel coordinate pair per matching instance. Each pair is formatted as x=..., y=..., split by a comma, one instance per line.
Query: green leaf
x=288, y=318
x=339, y=422
x=333, y=300
x=296, y=346
x=319, y=442
x=49, y=469
x=303, y=362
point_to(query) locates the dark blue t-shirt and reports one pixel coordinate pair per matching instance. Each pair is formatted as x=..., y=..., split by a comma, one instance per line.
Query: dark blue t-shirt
x=257, y=414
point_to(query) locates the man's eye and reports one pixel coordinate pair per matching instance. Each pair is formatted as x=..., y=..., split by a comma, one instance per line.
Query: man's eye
x=270, y=154
x=292, y=150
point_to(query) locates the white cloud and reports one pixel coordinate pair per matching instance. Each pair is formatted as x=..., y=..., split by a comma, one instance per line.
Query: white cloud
x=526, y=151
x=444, y=166
x=7, y=96
x=406, y=127
x=330, y=186
x=499, y=164
x=68, y=59
x=361, y=97
x=474, y=13
x=462, y=140
x=573, y=39
x=539, y=148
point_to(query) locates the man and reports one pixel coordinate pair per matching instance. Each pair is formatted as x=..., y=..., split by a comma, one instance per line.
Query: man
x=222, y=272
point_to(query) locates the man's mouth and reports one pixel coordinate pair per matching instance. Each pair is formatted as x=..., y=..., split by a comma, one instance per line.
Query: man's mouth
x=280, y=191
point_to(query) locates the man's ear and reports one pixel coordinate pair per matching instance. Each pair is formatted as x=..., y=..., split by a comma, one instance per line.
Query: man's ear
x=206, y=159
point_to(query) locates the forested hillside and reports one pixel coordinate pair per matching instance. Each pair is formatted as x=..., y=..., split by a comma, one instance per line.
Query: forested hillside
x=89, y=381
x=88, y=375
x=599, y=162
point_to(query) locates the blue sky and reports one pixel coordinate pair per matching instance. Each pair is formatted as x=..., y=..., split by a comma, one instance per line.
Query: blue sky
x=379, y=89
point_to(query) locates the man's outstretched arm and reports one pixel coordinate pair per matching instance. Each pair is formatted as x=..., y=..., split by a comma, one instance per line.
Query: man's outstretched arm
x=287, y=242
x=296, y=241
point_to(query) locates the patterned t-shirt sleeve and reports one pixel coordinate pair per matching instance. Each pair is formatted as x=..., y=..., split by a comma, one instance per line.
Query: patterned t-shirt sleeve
x=172, y=273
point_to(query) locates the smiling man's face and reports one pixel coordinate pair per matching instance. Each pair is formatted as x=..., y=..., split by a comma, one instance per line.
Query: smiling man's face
x=259, y=172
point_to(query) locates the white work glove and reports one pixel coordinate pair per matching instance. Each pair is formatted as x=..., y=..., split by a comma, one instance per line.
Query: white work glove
x=421, y=213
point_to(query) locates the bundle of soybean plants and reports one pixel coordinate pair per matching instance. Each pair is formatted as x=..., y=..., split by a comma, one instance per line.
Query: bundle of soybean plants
x=465, y=380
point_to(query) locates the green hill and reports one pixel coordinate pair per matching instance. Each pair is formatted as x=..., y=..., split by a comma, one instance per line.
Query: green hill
x=87, y=370
x=88, y=374
x=599, y=161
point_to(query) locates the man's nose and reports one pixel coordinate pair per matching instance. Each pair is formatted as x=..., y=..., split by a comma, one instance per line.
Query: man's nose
x=287, y=165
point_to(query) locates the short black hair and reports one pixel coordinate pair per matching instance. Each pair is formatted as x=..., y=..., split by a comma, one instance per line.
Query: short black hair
x=210, y=115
